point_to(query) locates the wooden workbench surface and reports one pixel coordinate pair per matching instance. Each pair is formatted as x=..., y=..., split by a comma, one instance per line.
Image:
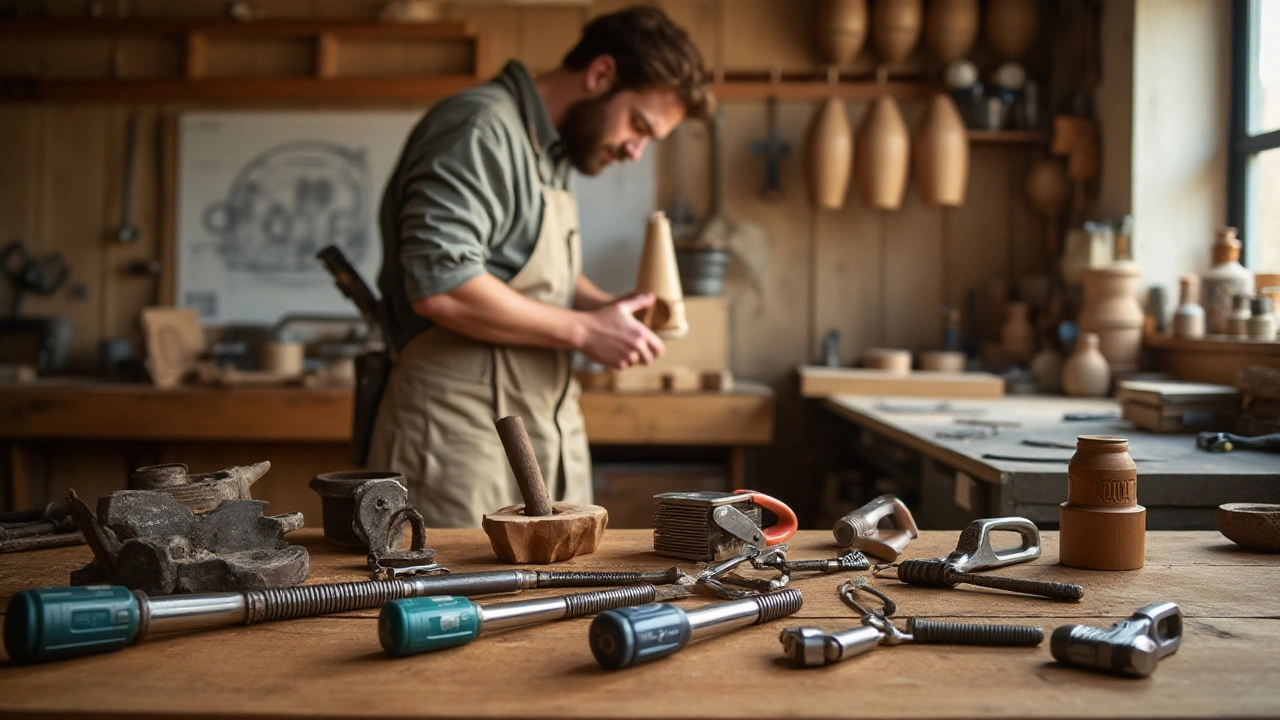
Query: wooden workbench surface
x=1183, y=473
x=333, y=666
x=71, y=409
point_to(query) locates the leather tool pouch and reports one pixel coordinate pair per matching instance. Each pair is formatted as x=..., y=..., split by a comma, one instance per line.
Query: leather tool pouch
x=372, y=371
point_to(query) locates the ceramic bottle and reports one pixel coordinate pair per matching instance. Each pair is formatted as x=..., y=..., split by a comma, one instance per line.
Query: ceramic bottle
x=660, y=276
x=1262, y=324
x=1238, y=320
x=1017, y=337
x=895, y=28
x=829, y=155
x=881, y=155
x=1046, y=370
x=940, y=154
x=1086, y=373
x=842, y=29
x=950, y=28
x=1102, y=526
x=1011, y=26
x=1113, y=312
x=1188, y=320
x=1224, y=281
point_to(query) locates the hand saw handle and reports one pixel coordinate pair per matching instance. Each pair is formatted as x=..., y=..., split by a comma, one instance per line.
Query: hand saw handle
x=787, y=522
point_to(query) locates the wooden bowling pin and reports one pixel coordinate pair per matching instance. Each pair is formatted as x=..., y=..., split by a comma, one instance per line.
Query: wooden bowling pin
x=882, y=152
x=940, y=153
x=896, y=27
x=829, y=155
x=842, y=29
x=951, y=28
x=660, y=276
x=1011, y=26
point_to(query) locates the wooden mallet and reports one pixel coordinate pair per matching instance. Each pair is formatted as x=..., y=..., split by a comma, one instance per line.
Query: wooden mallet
x=539, y=531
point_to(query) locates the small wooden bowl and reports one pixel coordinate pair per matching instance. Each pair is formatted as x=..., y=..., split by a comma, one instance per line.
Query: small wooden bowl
x=1253, y=526
x=570, y=530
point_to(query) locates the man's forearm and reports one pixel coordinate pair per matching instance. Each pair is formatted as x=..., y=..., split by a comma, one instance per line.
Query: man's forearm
x=487, y=309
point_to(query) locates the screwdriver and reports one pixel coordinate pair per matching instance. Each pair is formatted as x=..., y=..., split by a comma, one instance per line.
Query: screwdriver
x=418, y=625
x=631, y=635
x=55, y=623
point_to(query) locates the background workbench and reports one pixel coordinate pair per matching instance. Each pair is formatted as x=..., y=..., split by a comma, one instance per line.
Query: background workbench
x=1179, y=484
x=114, y=428
x=334, y=666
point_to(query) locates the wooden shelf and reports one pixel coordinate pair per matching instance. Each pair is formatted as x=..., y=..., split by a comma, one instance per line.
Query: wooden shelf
x=1008, y=137
x=262, y=29
x=1213, y=344
x=232, y=90
x=747, y=90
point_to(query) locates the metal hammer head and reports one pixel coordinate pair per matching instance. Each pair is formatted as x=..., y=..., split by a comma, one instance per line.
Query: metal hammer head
x=806, y=646
x=1130, y=647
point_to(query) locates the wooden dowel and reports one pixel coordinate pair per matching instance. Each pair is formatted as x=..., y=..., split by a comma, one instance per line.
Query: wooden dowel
x=524, y=463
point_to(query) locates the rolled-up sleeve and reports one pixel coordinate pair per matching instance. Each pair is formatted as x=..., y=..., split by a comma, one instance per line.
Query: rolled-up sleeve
x=457, y=195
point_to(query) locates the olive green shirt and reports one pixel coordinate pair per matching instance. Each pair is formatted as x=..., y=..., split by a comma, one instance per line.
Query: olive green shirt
x=466, y=195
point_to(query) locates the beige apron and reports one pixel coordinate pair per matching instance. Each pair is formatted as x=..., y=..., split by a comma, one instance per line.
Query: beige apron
x=435, y=424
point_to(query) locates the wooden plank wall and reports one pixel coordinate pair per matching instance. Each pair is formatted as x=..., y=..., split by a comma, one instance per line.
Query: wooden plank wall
x=878, y=278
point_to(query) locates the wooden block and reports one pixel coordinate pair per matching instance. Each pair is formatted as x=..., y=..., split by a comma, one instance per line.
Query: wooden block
x=174, y=340
x=1182, y=393
x=822, y=381
x=637, y=378
x=569, y=531
x=682, y=380
x=717, y=381
x=1180, y=418
x=1102, y=538
x=705, y=347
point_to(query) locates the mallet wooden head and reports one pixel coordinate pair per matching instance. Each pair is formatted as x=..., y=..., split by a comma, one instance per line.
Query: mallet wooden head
x=539, y=532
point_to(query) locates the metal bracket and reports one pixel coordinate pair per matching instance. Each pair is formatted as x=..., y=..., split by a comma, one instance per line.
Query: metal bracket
x=974, y=553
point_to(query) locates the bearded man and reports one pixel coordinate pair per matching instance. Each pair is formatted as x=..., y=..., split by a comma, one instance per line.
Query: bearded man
x=484, y=298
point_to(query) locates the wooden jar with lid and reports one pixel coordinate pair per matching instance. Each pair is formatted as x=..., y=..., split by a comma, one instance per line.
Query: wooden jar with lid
x=1102, y=525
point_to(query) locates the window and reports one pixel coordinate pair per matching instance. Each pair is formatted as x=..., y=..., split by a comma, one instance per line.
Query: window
x=1254, y=193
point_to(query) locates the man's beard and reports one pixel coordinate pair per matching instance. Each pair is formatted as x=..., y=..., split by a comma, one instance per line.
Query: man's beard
x=583, y=134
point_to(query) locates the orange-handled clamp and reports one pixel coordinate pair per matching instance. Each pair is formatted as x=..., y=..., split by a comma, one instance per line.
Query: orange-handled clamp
x=787, y=522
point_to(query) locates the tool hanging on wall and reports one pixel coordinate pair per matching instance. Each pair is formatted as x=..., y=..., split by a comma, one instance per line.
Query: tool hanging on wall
x=632, y=635
x=127, y=232
x=57, y=623
x=773, y=148
x=712, y=525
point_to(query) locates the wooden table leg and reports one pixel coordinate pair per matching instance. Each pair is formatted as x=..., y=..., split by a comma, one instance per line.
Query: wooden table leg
x=738, y=467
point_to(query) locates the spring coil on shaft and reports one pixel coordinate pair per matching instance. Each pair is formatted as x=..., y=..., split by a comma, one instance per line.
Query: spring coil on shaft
x=552, y=578
x=590, y=603
x=952, y=633
x=778, y=604
x=310, y=600
x=926, y=573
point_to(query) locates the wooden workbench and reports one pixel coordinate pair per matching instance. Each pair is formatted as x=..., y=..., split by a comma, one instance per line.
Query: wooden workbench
x=311, y=428
x=1180, y=485
x=333, y=666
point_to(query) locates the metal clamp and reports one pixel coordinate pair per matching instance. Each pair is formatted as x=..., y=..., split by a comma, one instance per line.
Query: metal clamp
x=388, y=564
x=974, y=553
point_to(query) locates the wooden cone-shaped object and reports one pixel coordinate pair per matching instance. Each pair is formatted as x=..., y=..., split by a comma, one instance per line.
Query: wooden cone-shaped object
x=1012, y=26
x=940, y=153
x=660, y=276
x=951, y=28
x=881, y=155
x=896, y=27
x=842, y=29
x=538, y=531
x=829, y=155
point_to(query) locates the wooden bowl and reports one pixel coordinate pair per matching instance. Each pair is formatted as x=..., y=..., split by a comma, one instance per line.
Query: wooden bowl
x=1253, y=526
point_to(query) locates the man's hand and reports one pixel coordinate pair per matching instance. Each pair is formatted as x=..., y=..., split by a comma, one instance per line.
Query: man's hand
x=615, y=338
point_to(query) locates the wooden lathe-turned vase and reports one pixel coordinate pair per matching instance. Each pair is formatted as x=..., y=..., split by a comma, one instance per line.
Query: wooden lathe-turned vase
x=1086, y=373
x=951, y=28
x=660, y=275
x=881, y=155
x=1012, y=26
x=1114, y=313
x=896, y=27
x=940, y=154
x=841, y=30
x=1102, y=526
x=829, y=155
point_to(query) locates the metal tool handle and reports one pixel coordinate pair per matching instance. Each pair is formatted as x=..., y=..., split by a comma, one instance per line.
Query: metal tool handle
x=524, y=463
x=590, y=578
x=974, y=551
x=934, y=632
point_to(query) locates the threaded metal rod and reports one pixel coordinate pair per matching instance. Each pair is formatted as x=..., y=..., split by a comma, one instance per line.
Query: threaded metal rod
x=952, y=633
x=590, y=603
x=939, y=574
x=852, y=560
x=554, y=578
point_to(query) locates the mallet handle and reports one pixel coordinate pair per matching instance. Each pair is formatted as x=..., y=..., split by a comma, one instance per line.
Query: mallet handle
x=524, y=463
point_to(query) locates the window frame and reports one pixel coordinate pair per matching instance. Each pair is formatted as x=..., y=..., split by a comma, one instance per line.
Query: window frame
x=1243, y=145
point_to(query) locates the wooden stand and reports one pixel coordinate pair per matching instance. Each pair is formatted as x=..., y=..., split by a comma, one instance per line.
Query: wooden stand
x=1102, y=525
x=539, y=532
